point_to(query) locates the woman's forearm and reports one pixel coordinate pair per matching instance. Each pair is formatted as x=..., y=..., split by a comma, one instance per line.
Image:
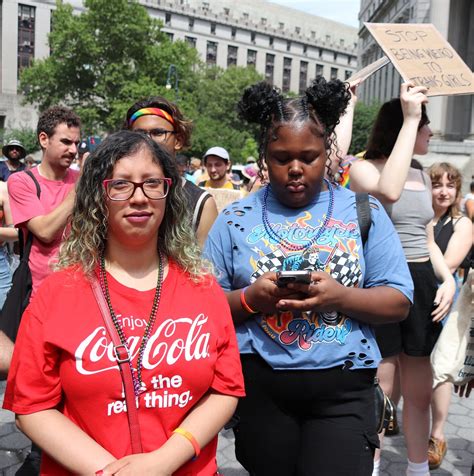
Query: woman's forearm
x=378, y=305
x=64, y=441
x=8, y=233
x=204, y=421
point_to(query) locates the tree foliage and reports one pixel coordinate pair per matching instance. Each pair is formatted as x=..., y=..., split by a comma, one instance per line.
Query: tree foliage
x=215, y=115
x=113, y=54
x=103, y=60
x=26, y=136
x=364, y=118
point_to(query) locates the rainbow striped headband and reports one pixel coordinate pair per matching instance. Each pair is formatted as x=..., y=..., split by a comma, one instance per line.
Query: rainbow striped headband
x=151, y=111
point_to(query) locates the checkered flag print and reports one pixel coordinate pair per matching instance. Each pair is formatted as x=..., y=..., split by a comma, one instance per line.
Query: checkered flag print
x=345, y=268
x=271, y=262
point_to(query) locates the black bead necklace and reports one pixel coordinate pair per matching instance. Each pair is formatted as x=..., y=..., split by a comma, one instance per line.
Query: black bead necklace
x=282, y=241
x=136, y=373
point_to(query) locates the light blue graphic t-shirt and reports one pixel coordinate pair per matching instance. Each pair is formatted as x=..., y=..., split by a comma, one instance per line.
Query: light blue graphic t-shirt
x=242, y=250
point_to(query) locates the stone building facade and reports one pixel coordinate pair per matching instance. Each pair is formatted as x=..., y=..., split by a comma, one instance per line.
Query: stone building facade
x=287, y=46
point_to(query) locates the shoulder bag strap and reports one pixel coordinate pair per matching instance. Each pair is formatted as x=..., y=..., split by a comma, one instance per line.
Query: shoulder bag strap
x=25, y=246
x=123, y=359
x=363, y=215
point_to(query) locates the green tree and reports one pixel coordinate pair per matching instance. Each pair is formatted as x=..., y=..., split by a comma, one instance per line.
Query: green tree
x=214, y=110
x=26, y=136
x=105, y=59
x=364, y=118
x=250, y=149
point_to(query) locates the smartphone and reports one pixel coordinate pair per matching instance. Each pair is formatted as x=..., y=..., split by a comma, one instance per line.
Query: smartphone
x=300, y=277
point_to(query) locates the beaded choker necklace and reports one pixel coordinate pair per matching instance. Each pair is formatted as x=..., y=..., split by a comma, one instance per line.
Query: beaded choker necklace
x=136, y=373
x=283, y=241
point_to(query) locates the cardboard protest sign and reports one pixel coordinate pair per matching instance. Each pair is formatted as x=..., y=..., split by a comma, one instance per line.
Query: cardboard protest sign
x=370, y=69
x=423, y=56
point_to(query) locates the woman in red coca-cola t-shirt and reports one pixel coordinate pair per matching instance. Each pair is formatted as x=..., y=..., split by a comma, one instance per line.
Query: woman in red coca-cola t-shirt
x=129, y=231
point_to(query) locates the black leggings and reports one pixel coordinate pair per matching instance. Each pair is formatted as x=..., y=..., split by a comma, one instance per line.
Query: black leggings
x=305, y=422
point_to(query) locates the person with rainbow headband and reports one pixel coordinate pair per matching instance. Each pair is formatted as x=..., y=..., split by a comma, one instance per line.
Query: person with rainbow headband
x=164, y=123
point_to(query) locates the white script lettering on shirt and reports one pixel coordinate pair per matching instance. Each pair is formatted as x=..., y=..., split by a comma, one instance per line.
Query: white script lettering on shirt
x=163, y=346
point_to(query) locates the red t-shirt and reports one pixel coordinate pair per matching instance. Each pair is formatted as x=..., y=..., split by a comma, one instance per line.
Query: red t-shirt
x=64, y=359
x=26, y=205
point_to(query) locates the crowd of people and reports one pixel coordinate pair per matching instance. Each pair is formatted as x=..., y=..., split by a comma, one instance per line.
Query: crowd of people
x=163, y=300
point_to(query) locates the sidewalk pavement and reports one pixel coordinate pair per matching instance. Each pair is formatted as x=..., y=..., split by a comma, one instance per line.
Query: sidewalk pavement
x=458, y=461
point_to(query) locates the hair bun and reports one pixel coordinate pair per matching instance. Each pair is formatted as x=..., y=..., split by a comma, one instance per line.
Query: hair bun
x=329, y=99
x=259, y=102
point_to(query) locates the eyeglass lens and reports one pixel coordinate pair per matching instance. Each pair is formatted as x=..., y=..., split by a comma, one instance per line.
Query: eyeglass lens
x=155, y=189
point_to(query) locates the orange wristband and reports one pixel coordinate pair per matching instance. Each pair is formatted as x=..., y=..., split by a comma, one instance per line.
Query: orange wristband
x=191, y=439
x=244, y=303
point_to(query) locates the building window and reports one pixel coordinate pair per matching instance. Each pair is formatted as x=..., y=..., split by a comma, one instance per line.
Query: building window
x=213, y=28
x=263, y=21
x=270, y=40
x=333, y=73
x=251, y=58
x=191, y=23
x=226, y=11
x=335, y=56
x=26, y=36
x=286, y=75
x=347, y=74
x=205, y=6
x=320, y=52
x=191, y=41
x=252, y=37
x=233, y=32
x=297, y=30
x=319, y=70
x=305, y=49
x=281, y=25
x=167, y=18
x=303, y=76
x=169, y=35
x=232, y=55
x=288, y=45
x=211, y=53
x=269, y=67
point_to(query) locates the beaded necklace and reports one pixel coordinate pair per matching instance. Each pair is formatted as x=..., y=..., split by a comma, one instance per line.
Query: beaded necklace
x=136, y=373
x=283, y=241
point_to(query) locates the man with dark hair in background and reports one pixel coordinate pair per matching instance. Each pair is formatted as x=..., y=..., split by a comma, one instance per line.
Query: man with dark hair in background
x=46, y=216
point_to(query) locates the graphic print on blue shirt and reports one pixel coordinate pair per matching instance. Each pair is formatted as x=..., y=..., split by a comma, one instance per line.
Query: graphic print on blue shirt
x=334, y=253
x=241, y=251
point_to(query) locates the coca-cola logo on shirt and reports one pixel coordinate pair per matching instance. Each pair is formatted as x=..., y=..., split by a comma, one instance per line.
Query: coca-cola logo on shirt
x=174, y=339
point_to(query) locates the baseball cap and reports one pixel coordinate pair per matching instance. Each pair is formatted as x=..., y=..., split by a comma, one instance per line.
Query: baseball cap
x=218, y=152
x=14, y=143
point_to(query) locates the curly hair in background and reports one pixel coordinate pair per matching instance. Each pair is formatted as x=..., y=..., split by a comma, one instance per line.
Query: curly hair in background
x=55, y=115
x=323, y=103
x=87, y=239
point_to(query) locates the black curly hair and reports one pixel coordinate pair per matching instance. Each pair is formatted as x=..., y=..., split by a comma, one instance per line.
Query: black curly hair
x=322, y=103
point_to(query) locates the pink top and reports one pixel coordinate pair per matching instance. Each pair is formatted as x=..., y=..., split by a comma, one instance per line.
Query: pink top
x=25, y=205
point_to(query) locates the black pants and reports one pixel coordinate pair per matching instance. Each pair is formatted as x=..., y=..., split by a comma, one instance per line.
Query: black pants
x=306, y=423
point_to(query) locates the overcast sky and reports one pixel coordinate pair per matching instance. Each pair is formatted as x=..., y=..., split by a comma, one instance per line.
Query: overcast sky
x=344, y=11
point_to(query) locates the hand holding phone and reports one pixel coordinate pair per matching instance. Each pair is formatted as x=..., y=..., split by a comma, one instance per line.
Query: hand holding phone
x=298, y=277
